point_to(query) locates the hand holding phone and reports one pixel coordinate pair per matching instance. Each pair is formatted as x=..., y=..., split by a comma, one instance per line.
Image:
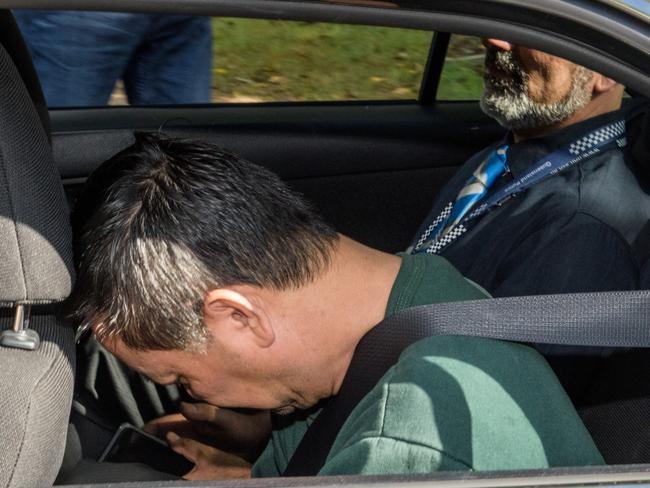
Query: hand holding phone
x=244, y=433
x=132, y=445
x=210, y=463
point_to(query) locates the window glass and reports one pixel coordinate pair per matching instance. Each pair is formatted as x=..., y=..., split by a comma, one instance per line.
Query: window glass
x=316, y=61
x=95, y=58
x=462, y=73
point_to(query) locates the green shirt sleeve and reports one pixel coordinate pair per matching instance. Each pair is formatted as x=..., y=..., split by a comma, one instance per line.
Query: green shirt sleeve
x=384, y=455
x=458, y=403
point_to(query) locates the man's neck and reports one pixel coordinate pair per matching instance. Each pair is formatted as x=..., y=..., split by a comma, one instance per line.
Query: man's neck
x=343, y=304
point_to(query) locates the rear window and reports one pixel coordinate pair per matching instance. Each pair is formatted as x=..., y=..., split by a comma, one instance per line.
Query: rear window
x=462, y=73
x=95, y=58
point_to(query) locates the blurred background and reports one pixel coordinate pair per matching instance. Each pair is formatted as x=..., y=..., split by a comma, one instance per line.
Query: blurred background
x=91, y=58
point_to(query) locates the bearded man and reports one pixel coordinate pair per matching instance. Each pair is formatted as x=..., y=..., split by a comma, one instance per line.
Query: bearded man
x=554, y=207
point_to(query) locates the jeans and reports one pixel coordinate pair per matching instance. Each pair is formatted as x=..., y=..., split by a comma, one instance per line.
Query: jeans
x=79, y=56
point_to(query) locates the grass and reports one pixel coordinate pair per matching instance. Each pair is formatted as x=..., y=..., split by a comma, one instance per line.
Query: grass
x=263, y=60
x=462, y=78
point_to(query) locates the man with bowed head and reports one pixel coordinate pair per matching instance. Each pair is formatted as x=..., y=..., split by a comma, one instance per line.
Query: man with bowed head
x=199, y=268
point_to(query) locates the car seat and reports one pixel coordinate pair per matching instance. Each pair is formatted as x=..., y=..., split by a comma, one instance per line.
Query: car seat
x=616, y=407
x=36, y=274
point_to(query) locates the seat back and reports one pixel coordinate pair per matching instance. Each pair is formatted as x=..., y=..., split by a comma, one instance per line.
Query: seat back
x=36, y=274
x=616, y=406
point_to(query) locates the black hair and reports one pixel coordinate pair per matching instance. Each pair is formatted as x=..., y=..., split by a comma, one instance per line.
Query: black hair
x=165, y=220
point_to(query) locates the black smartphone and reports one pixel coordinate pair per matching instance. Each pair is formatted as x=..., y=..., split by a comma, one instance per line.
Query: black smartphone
x=133, y=445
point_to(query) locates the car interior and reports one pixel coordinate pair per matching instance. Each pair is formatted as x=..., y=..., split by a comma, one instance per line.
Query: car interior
x=371, y=169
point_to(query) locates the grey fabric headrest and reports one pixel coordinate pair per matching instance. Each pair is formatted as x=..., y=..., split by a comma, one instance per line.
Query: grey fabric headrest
x=35, y=236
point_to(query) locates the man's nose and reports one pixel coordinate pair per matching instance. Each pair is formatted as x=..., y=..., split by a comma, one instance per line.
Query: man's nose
x=498, y=43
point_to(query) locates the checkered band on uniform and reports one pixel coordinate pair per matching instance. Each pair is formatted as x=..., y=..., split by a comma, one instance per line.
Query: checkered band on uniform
x=447, y=239
x=439, y=219
x=603, y=134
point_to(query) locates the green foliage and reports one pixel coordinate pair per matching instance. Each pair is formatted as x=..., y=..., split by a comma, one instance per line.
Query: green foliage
x=462, y=78
x=262, y=60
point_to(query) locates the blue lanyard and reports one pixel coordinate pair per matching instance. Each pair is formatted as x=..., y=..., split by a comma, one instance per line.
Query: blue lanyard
x=597, y=141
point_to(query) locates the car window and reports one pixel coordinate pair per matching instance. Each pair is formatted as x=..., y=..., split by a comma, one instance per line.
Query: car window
x=462, y=73
x=316, y=61
x=121, y=58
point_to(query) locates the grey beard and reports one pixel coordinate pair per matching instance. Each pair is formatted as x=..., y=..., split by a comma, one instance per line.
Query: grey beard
x=507, y=101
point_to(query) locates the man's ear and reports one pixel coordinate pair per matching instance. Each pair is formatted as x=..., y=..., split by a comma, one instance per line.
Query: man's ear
x=602, y=84
x=241, y=312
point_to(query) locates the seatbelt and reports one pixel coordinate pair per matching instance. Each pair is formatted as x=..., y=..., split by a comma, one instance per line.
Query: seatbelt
x=607, y=319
